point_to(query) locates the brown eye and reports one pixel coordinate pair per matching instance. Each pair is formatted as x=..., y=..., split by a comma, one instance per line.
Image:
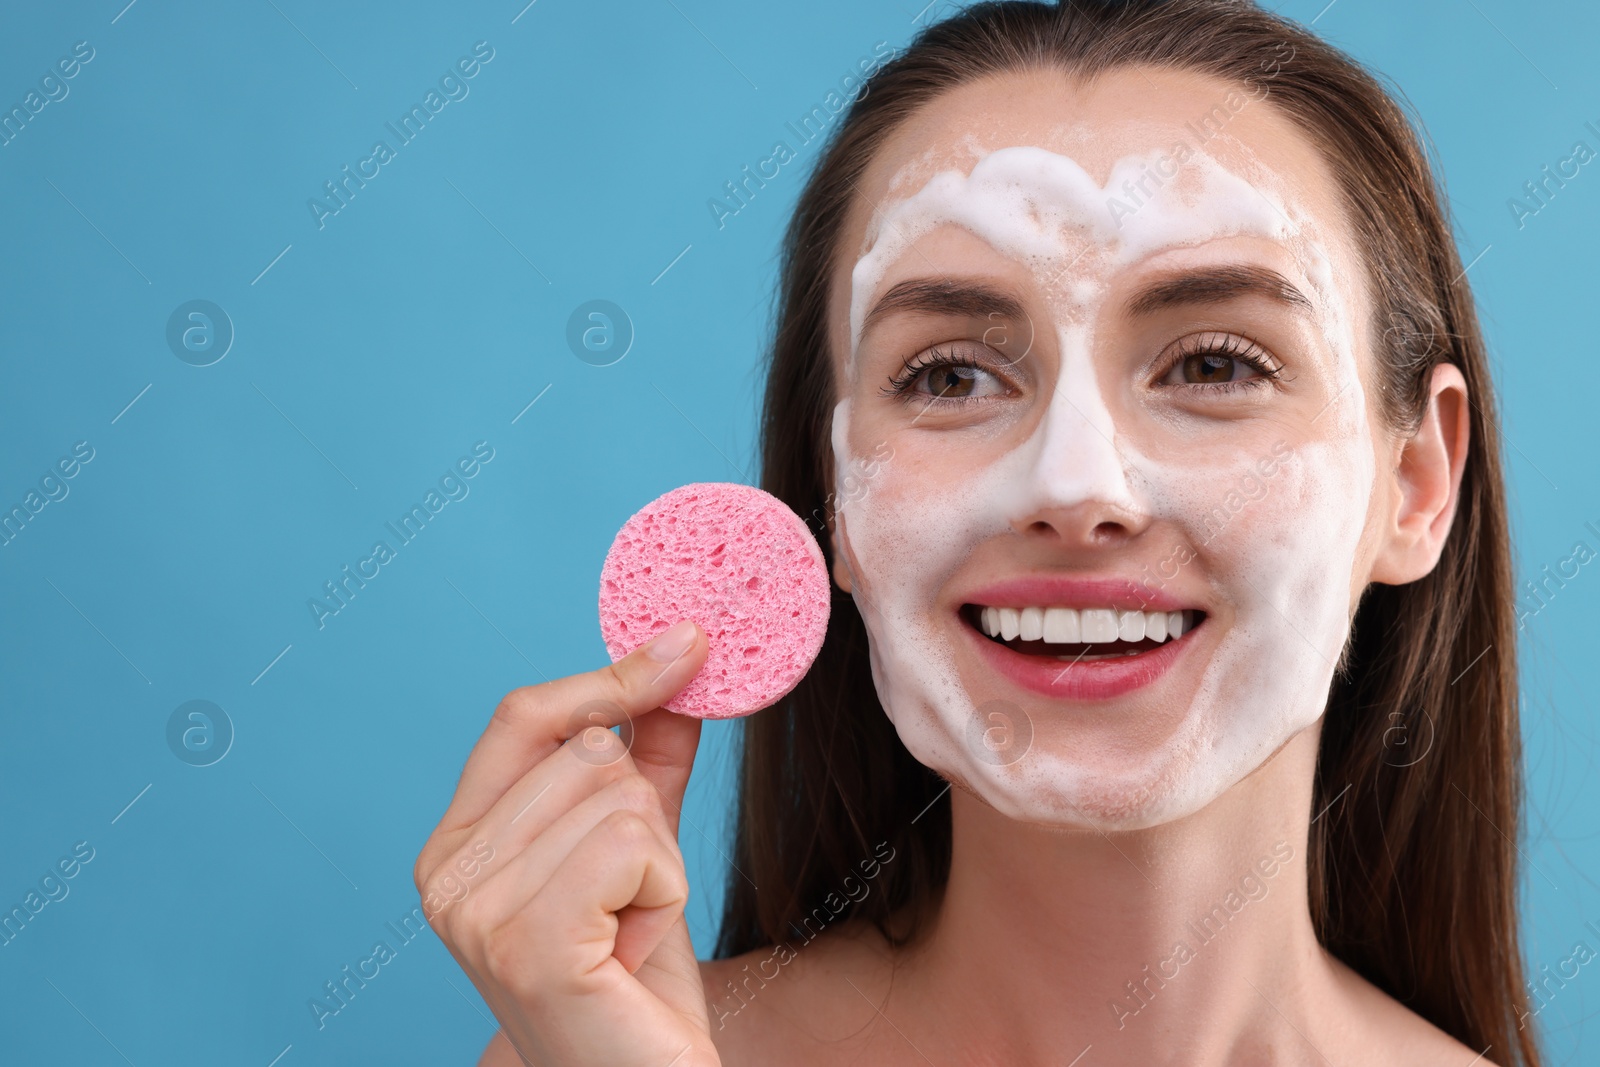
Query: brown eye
x=952, y=381
x=938, y=377
x=1211, y=368
x=1219, y=359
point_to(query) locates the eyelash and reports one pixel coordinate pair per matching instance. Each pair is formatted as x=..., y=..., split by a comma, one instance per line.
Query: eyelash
x=900, y=384
x=1234, y=346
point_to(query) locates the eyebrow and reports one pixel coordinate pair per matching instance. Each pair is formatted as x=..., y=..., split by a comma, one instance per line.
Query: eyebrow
x=1212, y=284
x=968, y=299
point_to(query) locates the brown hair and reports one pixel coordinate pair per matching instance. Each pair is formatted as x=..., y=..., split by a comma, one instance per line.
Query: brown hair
x=1413, y=873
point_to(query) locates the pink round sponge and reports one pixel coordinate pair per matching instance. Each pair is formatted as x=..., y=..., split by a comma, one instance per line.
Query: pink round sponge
x=737, y=561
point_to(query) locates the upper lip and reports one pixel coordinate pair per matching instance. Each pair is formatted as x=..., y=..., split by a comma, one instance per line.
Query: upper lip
x=1120, y=594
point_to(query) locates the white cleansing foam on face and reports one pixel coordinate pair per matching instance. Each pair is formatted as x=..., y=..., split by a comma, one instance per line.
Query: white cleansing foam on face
x=1036, y=206
x=1279, y=567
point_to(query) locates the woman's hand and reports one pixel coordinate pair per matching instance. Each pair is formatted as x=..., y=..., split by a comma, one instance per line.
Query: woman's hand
x=555, y=879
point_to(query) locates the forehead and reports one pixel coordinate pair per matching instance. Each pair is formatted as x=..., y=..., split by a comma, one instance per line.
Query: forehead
x=1125, y=112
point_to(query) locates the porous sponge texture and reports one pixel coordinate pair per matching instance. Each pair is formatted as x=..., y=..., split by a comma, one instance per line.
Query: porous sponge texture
x=737, y=561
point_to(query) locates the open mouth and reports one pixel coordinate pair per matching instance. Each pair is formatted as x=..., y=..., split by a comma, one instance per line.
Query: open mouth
x=1080, y=635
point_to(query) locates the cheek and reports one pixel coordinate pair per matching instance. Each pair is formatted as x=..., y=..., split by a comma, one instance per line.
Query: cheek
x=1298, y=545
x=1280, y=565
x=912, y=505
x=1283, y=534
x=907, y=527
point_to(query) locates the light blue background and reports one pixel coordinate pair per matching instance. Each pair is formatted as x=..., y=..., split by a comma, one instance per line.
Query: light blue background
x=424, y=317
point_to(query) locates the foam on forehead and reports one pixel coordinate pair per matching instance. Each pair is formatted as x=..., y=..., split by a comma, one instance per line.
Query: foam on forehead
x=1041, y=207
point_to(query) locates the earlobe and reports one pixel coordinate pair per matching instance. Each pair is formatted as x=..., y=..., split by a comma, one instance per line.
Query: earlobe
x=1427, y=482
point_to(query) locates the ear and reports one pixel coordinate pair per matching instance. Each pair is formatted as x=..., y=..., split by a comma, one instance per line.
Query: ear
x=1427, y=483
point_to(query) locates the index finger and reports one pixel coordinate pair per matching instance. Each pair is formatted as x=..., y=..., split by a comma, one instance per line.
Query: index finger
x=534, y=721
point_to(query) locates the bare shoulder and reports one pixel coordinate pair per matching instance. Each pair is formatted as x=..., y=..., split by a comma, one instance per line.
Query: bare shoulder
x=1386, y=1032
x=780, y=1004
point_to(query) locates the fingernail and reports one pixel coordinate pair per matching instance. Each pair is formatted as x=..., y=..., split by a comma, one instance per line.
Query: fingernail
x=672, y=642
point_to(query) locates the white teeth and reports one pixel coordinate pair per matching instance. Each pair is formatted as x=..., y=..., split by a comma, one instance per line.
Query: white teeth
x=1061, y=626
x=1130, y=625
x=1099, y=625
x=1032, y=624
x=1155, y=625
x=1010, y=623
x=1070, y=626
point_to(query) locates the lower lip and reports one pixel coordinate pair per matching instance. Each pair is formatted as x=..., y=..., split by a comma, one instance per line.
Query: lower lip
x=1087, y=679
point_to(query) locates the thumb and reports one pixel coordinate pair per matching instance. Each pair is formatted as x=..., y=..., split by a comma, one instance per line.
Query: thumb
x=663, y=745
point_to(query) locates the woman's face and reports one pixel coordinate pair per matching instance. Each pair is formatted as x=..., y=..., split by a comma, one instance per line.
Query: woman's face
x=1102, y=360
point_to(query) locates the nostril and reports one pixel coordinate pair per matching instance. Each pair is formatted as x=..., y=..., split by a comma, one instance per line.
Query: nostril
x=1109, y=531
x=1084, y=525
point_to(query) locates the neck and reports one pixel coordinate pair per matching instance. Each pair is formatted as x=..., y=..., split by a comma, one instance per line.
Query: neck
x=1153, y=946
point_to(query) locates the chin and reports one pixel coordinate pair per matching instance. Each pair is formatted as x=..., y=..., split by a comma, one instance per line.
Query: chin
x=1132, y=763
x=1052, y=791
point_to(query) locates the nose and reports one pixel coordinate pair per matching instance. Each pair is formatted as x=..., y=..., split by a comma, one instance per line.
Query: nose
x=1080, y=483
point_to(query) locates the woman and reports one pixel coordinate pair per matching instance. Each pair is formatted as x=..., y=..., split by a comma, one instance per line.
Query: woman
x=1167, y=712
